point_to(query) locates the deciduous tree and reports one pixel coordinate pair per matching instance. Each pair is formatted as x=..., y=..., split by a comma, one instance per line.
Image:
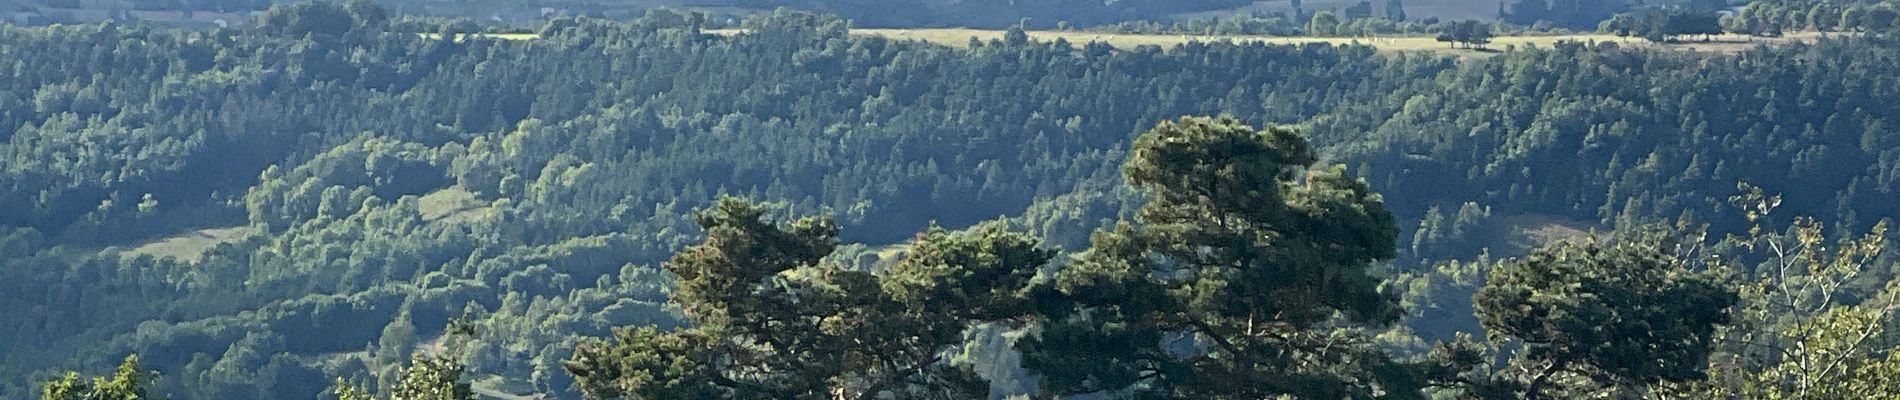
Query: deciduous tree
x=129, y=381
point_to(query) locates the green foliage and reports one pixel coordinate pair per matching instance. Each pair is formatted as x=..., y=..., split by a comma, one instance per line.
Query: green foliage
x=1361, y=10
x=1469, y=33
x=1391, y=23
x=1772, y=17
x=1604, y=315
x=322, y=18
x=129, y=382
x=1574, y=14
x=646, y=363
x=1219, y=291
x=1242, y=248
x=1437, y=301
x=1666, y=25
x=772, y=317
x=429, y=375
x=535, y=184
x=995, y=13
x=1323, y=23
x=433, y=378
x=345, y=391
x=1813, y=325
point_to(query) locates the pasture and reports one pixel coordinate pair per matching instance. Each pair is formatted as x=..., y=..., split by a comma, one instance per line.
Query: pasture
x=961, y=38
x=1449, y=10
x=188, y=246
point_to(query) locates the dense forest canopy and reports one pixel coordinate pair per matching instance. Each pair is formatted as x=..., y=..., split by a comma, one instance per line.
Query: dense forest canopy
x=989, y=14
x=259, y=212
x=997, y=13
x=518, y=13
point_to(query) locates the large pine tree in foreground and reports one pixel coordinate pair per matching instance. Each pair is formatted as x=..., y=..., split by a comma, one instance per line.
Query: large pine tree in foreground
x=1245, y=275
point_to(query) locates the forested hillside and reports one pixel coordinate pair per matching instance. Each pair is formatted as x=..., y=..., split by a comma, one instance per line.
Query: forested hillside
x=988, y=14
x=257, y=212
x=519, y=13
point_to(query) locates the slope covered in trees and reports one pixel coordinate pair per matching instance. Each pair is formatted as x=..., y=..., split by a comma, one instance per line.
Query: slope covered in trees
x=394, y=182
x=518, y=13
x=582, y=156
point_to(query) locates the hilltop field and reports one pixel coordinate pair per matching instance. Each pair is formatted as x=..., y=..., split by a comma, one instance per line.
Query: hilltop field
x=1449, y=10
x=328, y=194
x=960, y=37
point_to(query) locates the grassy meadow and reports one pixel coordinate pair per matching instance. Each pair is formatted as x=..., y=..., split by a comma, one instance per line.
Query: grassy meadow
x=961, y=37
x=1449, y=10
x=187, y=247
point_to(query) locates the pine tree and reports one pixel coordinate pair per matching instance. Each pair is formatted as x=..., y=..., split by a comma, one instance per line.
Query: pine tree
x=1247, y=247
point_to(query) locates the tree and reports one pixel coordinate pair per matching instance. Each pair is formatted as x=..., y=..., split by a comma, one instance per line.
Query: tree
x=398, y=339
x=1525, y=12
x=343, y=390
x=1478, y=34
x=129, y=382
x=1324, y=23
x=1604, y=314
x=1738, y=25
x=367, y=14
x=1015, y=36
x=1662, y=25
x=1395, y=10
x=310, y=17
x=396, y=346
x=1577, y=132
x=1358, y=11
x=1242, y=277
x=1849, y=18
x=1470, y=33
x=773, y=318
x=1575, y=14
x=1705, y=23
x=429, y=376
x=1806, y=331
x=1879, y=19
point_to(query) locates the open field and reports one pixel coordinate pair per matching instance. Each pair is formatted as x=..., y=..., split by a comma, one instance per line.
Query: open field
x=1520, y=234
x=1449, y=10
x=497, y=387
x=189, y=246
x=453, y=205
x=502, y=36
x=961, y=37
x=511, y=36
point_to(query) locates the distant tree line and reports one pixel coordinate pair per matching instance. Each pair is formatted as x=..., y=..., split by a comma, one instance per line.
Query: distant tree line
x=1774, y=17
x=1572, y=14
x=1470, y=34
x=1666, y=25
x=1762, y=18
x=995, y=14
